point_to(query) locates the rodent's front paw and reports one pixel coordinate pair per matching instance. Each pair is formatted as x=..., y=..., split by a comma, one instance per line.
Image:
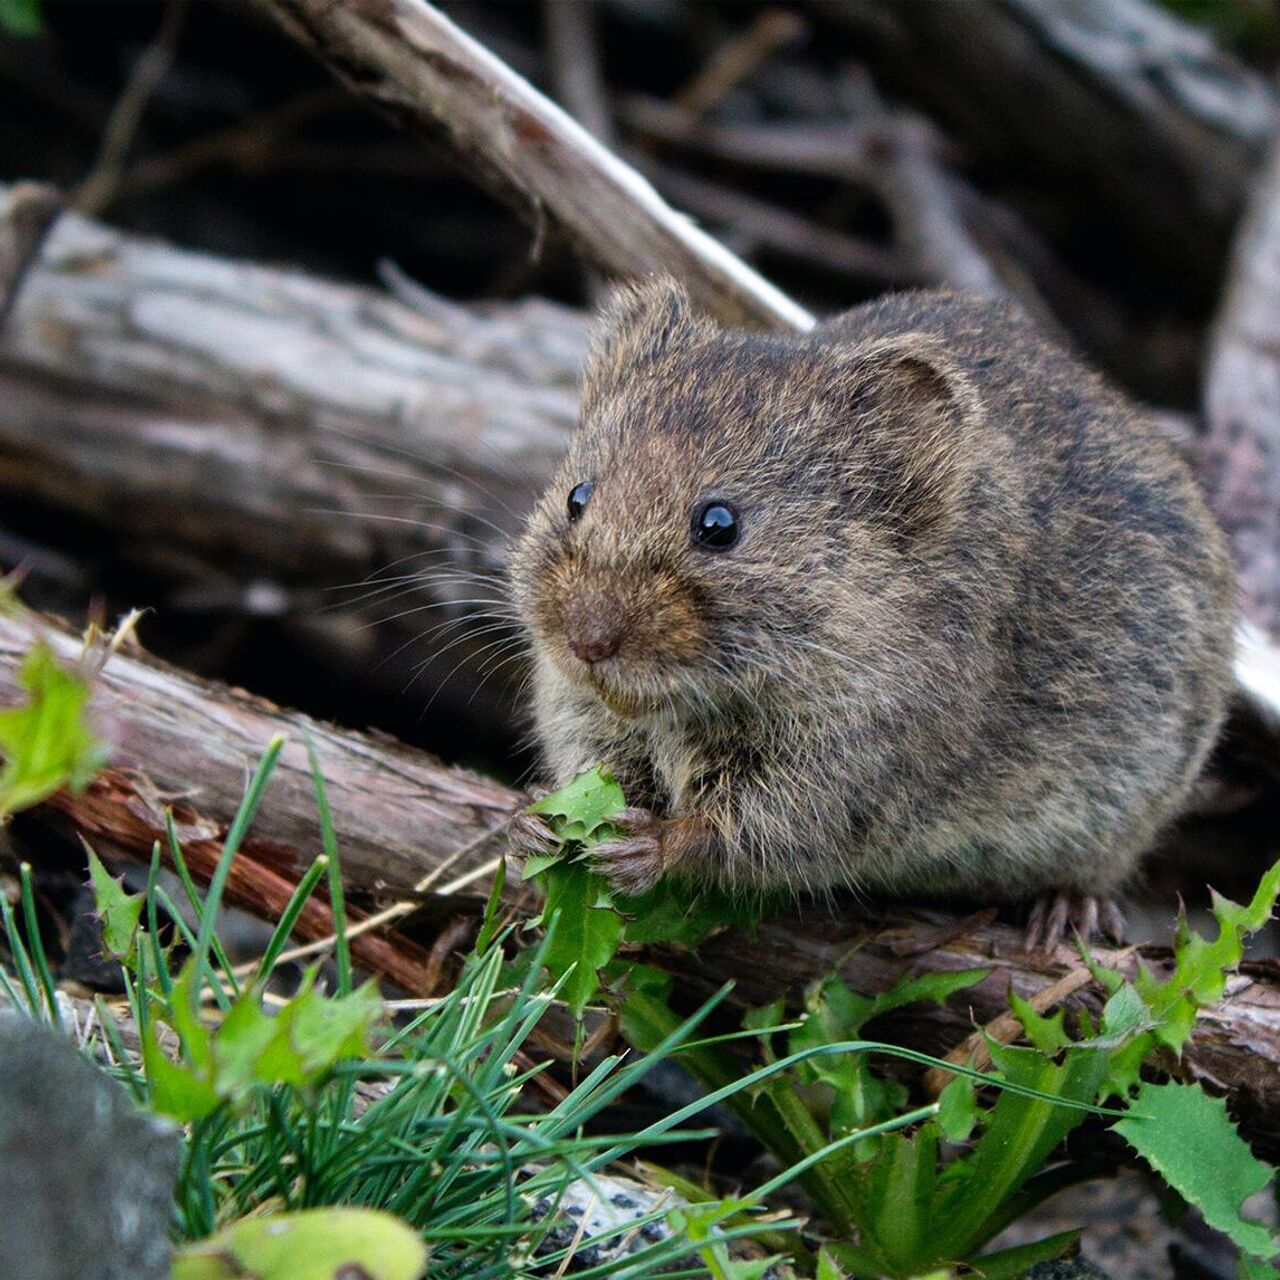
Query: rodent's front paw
x=633, y=860
x=531, y=834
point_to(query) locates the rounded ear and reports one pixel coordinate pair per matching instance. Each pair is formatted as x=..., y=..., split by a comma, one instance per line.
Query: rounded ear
x=915, y=414
x=641, y=321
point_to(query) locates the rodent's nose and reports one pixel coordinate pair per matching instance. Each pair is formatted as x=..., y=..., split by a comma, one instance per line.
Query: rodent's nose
x=595, y=641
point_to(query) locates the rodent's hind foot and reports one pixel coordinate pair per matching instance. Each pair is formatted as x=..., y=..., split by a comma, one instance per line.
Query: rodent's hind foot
x=1058, y=912
x=633, y=860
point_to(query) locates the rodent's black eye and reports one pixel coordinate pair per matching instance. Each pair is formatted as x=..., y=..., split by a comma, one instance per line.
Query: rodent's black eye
x=715, y=526
x=579, y=496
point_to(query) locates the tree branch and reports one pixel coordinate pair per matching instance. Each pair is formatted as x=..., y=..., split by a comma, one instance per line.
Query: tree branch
x=413, y=62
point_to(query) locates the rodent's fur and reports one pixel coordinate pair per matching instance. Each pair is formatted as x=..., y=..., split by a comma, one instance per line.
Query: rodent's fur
x=975, y=638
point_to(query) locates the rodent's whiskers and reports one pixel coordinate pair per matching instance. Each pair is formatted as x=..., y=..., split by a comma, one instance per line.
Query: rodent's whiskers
x=502, y=640
x=431, y=464
x=451, y=531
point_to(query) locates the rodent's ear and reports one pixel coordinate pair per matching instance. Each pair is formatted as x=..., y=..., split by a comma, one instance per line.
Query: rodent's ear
x=920, y=411
x=640, y=321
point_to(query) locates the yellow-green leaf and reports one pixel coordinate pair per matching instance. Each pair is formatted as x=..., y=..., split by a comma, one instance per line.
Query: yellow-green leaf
x=314, y=1244
x=46, y=744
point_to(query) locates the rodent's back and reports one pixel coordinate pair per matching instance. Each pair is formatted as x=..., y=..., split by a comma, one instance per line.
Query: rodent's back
x=1116, y=651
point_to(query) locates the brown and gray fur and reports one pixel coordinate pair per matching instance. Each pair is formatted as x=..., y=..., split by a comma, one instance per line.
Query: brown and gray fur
x=974, y=639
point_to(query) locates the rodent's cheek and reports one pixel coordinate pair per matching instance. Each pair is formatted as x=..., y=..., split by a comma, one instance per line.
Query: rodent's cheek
x=677, y=633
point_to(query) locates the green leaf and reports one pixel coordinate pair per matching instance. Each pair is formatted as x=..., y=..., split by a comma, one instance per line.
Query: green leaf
x=1012, y=1264
x=1186, y=1136
x=176, y=1090
x=827, y=1268
x=118, y=912
x=1199, y=978
x=958, y=1109
x=20, y=17
x=320, y=1031
x=1019, y=1138
x=299, y=1045
x=1047, y=1033
x=46, y=744
x=897, y=1200
x=700, y=1222
x=314, y=1244
x=579, y=809
x=669, y=914
x=586, y=934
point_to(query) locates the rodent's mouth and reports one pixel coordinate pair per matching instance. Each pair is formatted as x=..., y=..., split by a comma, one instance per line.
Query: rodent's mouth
x=621, y=703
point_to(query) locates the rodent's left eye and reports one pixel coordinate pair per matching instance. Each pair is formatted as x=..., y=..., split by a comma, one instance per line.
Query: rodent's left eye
x=715, y=526
x=579, y=496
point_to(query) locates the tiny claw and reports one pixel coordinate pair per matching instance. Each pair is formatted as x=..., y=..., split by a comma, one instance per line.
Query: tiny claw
x=1059, y=911
x=530, y=835
x=631, y=861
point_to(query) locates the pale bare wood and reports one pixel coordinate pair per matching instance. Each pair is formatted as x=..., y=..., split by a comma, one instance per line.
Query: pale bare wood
x=1242, y=408
x=412, y=61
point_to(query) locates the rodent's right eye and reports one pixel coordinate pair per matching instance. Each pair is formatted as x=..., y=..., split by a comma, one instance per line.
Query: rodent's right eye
x=579, y=496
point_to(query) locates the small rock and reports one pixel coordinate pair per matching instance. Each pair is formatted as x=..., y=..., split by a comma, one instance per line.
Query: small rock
x=86, y=1179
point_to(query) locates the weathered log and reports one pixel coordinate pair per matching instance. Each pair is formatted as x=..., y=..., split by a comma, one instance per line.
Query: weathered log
x=400, y=814
x=1242, y=408
x=257, y=439
x=413, y=62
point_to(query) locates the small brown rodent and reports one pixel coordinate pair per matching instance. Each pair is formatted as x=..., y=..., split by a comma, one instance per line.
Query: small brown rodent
x=914, y=603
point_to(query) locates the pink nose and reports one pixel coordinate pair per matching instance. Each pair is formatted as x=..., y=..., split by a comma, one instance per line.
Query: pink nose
x=595, y=643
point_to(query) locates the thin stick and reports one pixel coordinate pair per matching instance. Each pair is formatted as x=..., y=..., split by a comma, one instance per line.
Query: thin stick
x=103, y=183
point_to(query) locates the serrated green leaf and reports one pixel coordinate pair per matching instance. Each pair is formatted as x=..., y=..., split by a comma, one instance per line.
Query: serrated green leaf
x=669, y=914
x=314, y=1244
x=1047, y=1033
x=1187, y=1137
x=184, y=1018
x=46, y=744
x=897, y=1200
x=118, y=912
x=537, y=863
x=1248, y=1268
x=766, y=1016
x=1199, y=978
x=1019, y=1137
x=324, y=1030
x=580, y=808
x=827, y=1268
x=1124, y=1017
x=586, y=934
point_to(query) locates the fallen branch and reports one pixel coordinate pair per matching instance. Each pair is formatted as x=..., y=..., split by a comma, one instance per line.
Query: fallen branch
x=1242, y=409
x=413, y=62
x=400, y=815
x=255, y=439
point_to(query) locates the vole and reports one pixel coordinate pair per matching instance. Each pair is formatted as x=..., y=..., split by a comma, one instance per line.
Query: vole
x=914, y=604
